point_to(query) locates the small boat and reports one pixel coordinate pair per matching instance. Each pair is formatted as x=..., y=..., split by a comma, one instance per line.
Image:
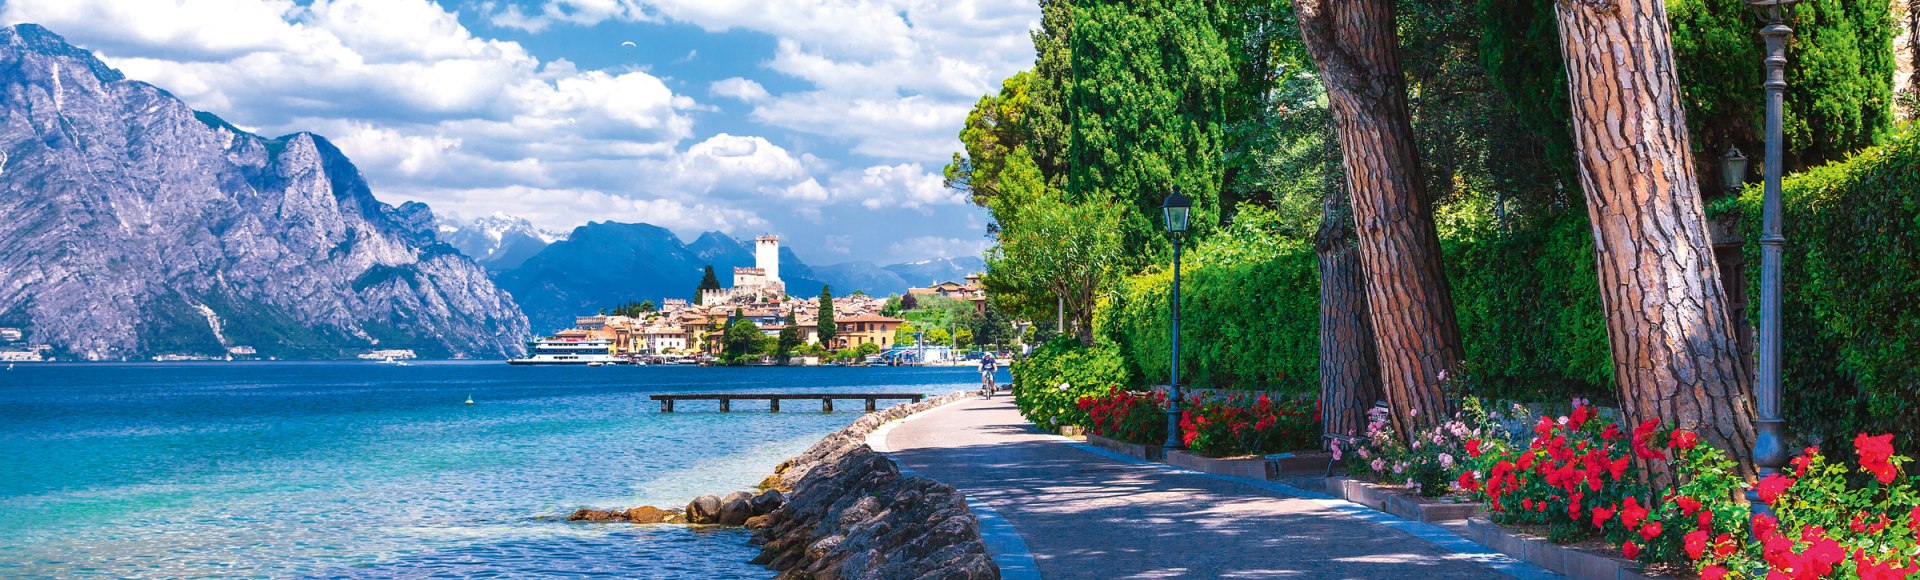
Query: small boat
x=596, y=363
x=469, y=399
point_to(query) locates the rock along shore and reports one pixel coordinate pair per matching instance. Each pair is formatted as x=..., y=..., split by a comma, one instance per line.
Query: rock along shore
x=849, y=513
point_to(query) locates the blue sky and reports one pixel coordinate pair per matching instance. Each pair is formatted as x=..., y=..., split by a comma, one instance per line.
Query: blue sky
x=824, y=121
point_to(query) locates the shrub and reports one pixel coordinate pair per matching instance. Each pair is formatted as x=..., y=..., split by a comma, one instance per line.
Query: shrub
x=1851, y=310
x=1429, y=464
x=1048, y=384
x=1239, y=424
x=1128, y=416
x=1250, y=314
x=1830, y=521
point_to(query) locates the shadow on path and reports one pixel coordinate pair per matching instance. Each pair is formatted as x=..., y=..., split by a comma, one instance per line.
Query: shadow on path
x=1087, y=516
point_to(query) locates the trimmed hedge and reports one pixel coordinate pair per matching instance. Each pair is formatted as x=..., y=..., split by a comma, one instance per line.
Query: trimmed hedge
x=1086, y=372
x=1851, y=302
x=1250, y=313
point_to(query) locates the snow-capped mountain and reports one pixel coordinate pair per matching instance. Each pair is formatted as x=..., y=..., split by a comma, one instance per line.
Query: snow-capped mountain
x=497, y=242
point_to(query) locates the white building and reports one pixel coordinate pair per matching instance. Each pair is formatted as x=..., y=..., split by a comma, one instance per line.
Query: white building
x=762, y=281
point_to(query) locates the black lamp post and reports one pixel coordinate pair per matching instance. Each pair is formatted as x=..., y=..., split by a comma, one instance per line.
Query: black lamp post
x=1175, y=208
x=1769, y=444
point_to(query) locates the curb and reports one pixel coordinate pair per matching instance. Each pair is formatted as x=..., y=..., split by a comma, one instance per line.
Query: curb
x=1004, y=544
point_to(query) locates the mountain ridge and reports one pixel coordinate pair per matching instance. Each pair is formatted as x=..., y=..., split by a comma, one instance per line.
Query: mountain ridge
x=132, y=225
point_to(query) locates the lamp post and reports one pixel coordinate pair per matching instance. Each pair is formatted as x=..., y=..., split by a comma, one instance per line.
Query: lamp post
x=1769, y=445
x=1175, y=210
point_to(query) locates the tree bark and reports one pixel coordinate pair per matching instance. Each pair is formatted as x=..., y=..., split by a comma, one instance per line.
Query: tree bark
x=1353, y=44
x=1349, y=369
x=1675, y=359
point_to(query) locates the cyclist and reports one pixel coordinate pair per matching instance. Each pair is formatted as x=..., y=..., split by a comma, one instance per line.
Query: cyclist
x=988, y=366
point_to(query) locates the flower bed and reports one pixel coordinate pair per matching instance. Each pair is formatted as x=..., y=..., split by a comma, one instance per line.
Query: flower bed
x=1127, y=416
x=1575, y=479
x=1237, y=424
x=1428, y=464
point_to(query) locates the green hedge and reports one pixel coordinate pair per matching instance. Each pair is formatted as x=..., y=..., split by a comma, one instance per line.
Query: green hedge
x=1528, y=302
x=1086, y=371
x=1851, y=307
x=1250, y=313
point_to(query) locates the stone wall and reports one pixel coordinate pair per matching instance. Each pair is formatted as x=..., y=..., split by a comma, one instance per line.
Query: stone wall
x=1906, y=47
x=852, y=514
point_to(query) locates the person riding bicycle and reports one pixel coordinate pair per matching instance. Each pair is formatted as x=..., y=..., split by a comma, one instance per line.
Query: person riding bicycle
x=988, y=366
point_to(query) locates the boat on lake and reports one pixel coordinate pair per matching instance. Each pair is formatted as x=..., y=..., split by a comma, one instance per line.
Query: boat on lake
x=569, y=351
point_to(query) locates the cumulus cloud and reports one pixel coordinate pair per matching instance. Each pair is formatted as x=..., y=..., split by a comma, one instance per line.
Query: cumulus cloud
x=738, y=88
x=893, y=77
x=432, y=111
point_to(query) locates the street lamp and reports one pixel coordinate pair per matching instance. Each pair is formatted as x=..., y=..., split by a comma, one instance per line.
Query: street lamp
x=1175, y=209
x=1769, y=445
x=1733, y=168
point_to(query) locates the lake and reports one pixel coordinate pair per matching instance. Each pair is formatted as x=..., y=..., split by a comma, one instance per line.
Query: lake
x=353, y=469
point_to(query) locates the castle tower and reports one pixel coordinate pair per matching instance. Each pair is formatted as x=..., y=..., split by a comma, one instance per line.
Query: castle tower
x=766, y=257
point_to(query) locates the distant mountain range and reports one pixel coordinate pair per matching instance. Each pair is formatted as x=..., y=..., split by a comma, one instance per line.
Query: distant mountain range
x=497, y=242
x=132, y=225
x=604, y=264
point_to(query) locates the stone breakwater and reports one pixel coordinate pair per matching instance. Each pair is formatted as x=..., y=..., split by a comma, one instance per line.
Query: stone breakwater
x=849, y=513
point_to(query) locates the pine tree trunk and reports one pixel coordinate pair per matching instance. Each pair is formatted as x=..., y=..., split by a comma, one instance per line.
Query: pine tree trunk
x=1354, y=45
x=1674, y=354
x=1349, y=371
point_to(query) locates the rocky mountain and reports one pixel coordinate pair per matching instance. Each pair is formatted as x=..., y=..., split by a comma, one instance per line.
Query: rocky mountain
x=497, y=242
x=132, y=225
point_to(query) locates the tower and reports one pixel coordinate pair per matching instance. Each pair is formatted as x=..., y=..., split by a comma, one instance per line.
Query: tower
x=766, y=257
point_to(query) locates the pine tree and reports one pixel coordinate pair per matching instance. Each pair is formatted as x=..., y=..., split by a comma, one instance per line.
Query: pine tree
x=827, y=326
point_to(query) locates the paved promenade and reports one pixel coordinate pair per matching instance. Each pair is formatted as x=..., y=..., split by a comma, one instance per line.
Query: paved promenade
x=1087, y=515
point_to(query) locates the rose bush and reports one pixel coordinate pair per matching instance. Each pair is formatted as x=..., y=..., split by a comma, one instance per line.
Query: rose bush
x=1576, y=476
x=1128, y=416
x=1241, y=424
x=1430, y=463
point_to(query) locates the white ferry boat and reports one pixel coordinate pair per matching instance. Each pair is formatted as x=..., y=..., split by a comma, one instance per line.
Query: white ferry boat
x=569, y=351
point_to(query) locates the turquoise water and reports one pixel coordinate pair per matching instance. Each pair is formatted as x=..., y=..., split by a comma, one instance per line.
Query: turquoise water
x=364, y=469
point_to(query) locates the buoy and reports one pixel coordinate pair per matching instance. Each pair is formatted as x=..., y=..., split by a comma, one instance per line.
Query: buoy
x=469, y=399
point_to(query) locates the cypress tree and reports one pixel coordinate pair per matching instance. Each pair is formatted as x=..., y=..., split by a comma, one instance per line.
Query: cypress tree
x=827, y=326
x=707, y=282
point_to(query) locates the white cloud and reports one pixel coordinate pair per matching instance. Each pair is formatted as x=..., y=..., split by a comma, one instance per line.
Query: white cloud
x=474, y=125
x=907, y=186
x=560, y=209
x=894, y=77
x=923, y=247
x=738, y=88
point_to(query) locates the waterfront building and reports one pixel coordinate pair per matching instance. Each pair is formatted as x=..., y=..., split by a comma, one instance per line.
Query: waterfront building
x=866, y=329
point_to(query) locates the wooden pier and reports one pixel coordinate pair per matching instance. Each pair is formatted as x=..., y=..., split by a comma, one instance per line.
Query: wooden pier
x=773, y=400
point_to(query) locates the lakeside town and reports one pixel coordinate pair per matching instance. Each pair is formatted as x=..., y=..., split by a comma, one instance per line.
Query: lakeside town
x=753, y=321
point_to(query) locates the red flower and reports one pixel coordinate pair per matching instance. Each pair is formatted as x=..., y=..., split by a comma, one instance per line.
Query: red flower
x=1714, y=572
x=1806, y=458
x=1696, y=544
x=1641, y=435
x=1913, y=522
x=1473, y=448
x=1601, y=515
x=1527, y=504
x=1683, y=440
x=1765, y=526
x=1650, y=531
x=1580, y=416
x=1631, y=513
x=1874, y=454
x=1467, y=482
x=1706, y=520
x=1724, y=546
x=1687, y=505
x=1630, y=550
x=1772, y=486
x=1611, y=432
